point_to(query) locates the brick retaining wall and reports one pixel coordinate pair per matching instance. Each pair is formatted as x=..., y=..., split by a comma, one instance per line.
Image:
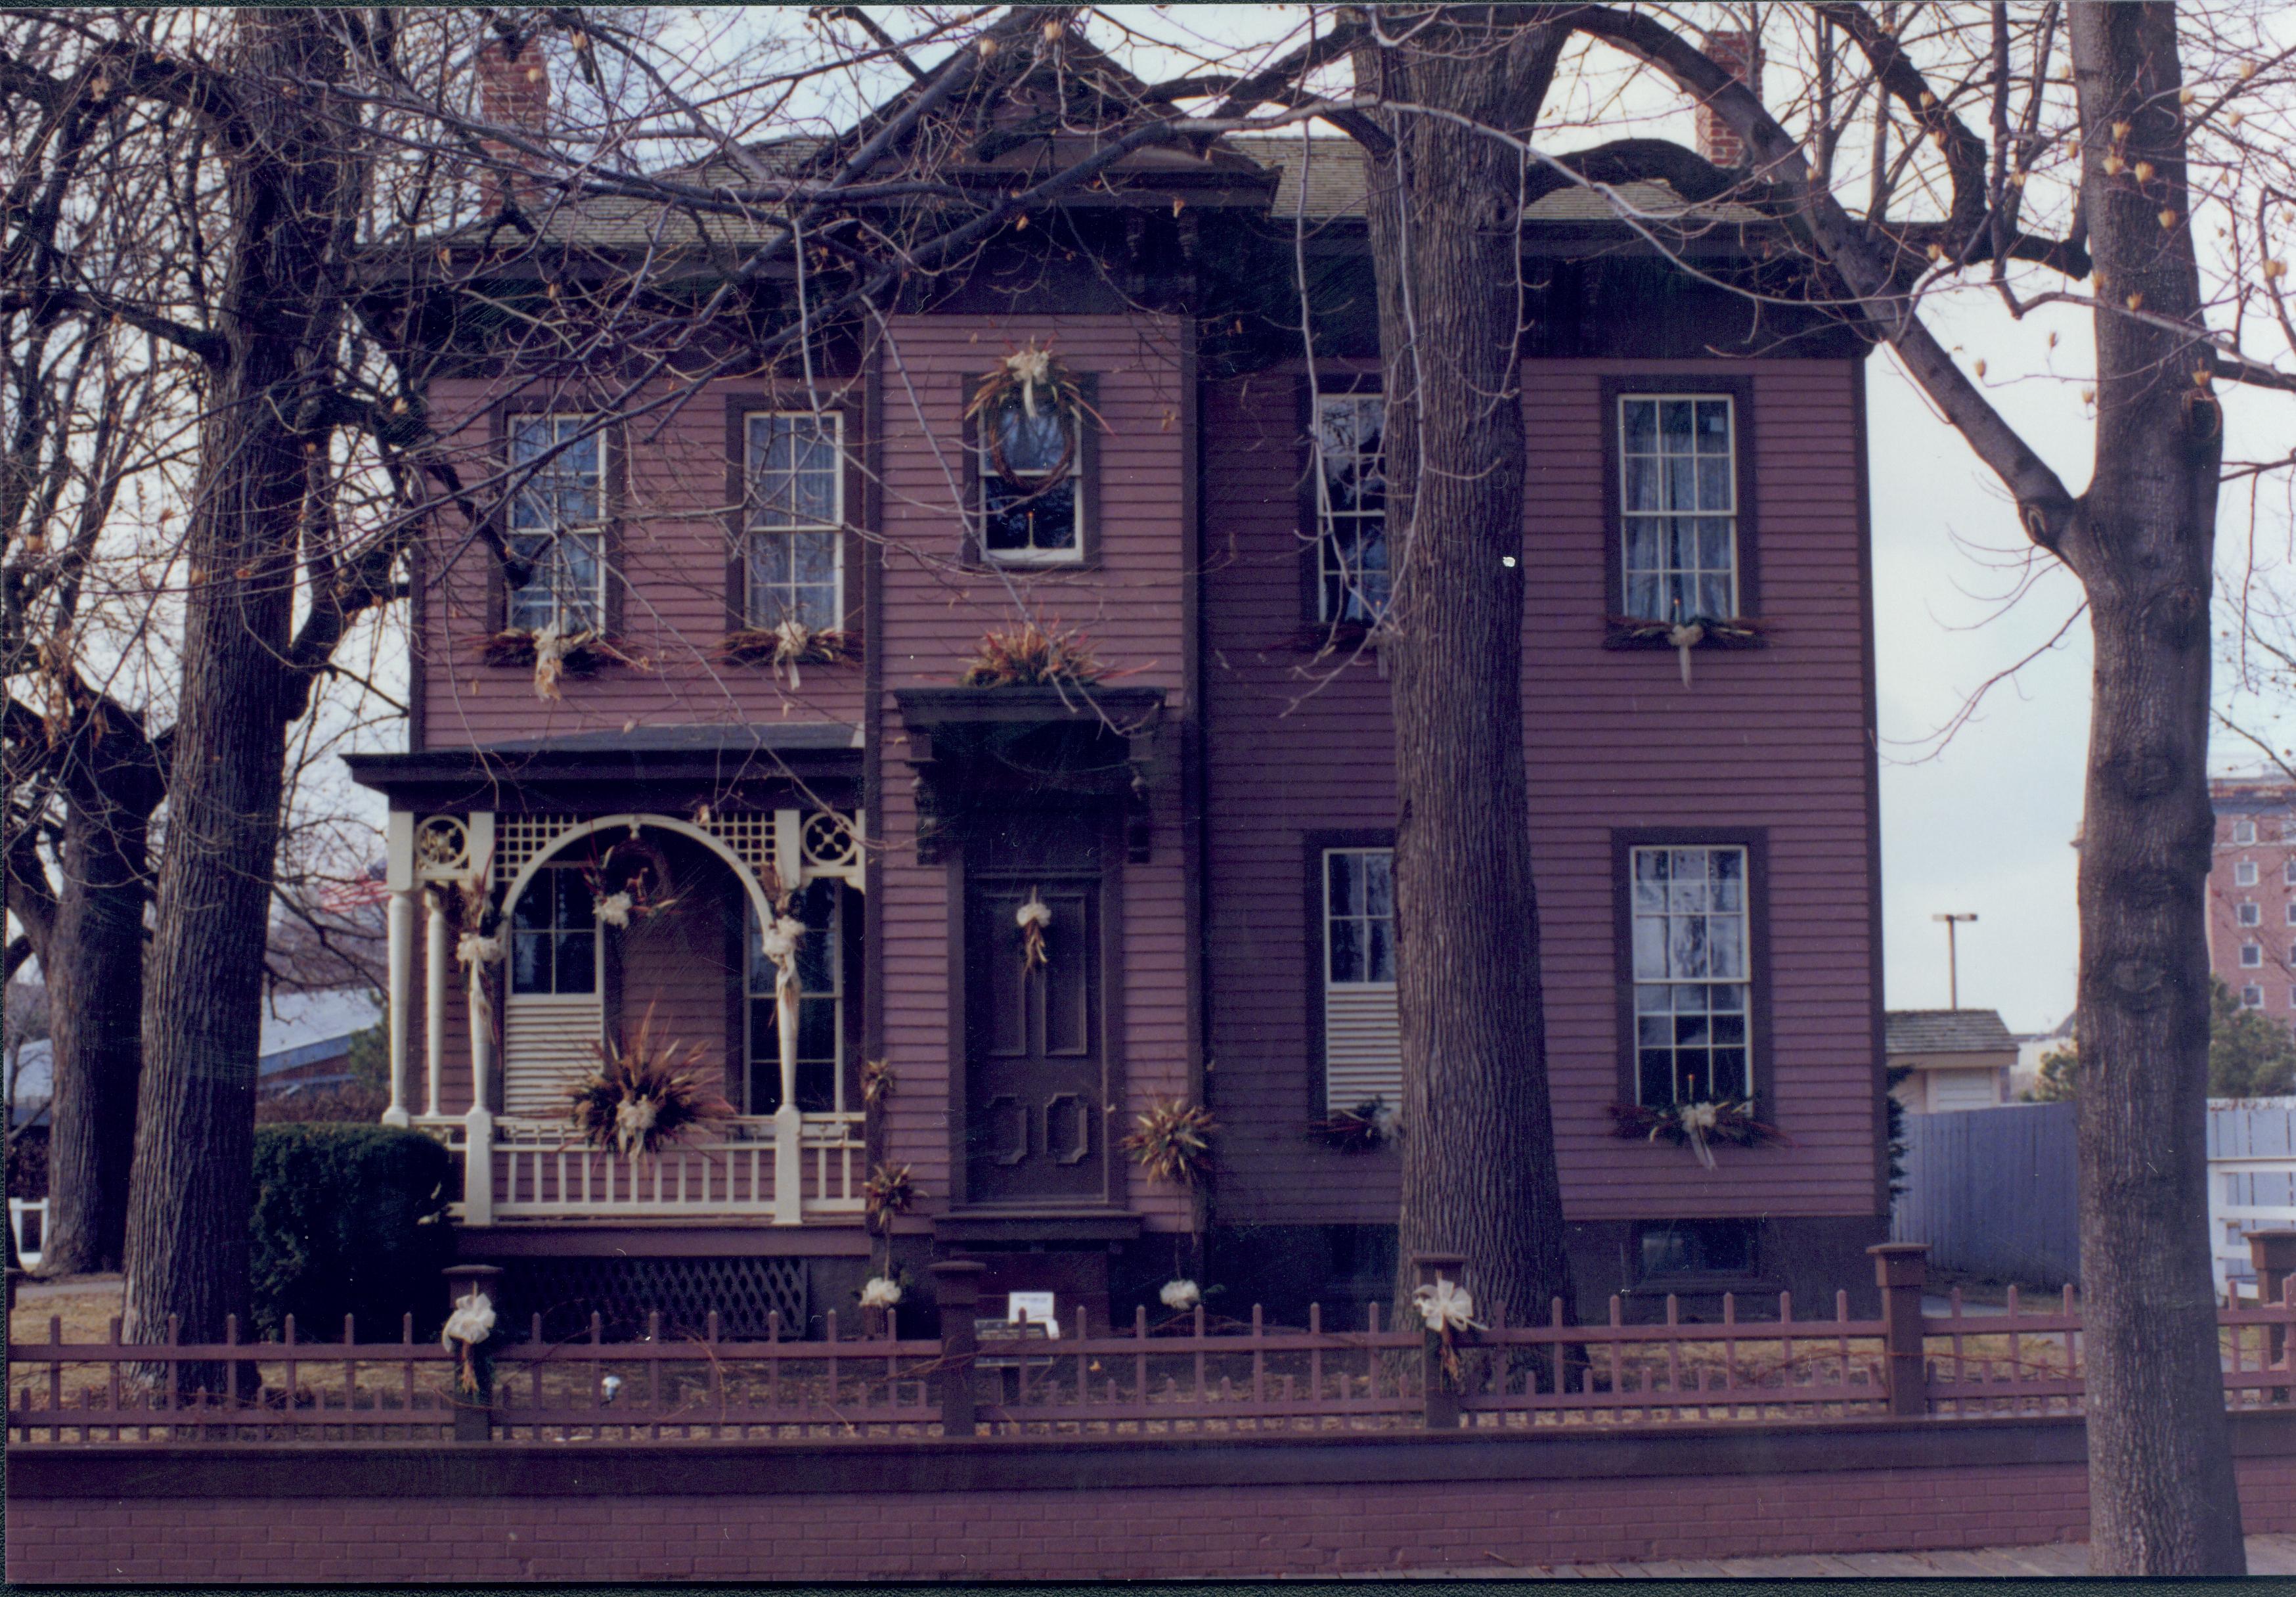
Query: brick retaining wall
x=1023, y=1509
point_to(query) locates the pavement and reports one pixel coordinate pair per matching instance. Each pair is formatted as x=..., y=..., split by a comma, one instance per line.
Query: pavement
x=2266, y=1555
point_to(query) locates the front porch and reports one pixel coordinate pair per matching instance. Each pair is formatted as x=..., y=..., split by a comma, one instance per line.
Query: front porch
x=563, y=938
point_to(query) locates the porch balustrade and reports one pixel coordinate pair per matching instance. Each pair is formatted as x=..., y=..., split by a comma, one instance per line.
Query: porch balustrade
x=750, y=1166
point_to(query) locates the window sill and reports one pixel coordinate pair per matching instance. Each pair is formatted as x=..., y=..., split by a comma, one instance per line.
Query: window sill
x=1336, y=637
x=1739, y=632
x=763, y=645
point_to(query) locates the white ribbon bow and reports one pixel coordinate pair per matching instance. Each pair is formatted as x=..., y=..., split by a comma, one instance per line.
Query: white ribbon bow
x=614, y=910
x=1181, y=1295
x=880, y=1292
x=1446, y=1307
x=471, y=1322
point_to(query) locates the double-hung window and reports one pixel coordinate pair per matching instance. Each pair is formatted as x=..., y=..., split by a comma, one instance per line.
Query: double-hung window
x=2249, y=915
x=2252, y=998
x=2244, y=832
x=2251, y=955
x=1678, y=505
x=793, y=516
x=553, y=940
x=1030, y=471
x=2243, y=874
x=1363, y=1047
x=1693, y=976
x=820, y=1009
x=1352, y=575
x=558, y=523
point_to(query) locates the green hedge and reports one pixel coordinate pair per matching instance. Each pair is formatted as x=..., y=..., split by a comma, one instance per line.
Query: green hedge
x=347, y=1221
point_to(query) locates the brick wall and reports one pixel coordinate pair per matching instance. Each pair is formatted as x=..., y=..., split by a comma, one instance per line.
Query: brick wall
x=1137, y=1510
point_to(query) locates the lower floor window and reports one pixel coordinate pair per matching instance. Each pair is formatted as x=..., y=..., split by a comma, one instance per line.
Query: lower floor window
x=820, y=1009
x=1692, y=982
x=2252, y=998
x=1688, y=1247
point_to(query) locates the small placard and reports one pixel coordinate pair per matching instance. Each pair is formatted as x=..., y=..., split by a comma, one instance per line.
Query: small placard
x=1033, y=1307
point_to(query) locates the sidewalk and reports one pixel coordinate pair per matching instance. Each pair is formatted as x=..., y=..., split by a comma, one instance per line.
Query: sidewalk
x=2266, y=1555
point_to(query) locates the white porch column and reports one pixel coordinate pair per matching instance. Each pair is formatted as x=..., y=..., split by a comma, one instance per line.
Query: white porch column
x=478, y=1154
x=400, y=918
x=434, y=1008
x=789, y=1168
x=398, y=877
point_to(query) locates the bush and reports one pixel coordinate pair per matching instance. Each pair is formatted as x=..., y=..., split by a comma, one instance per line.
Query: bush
x=349, y=1220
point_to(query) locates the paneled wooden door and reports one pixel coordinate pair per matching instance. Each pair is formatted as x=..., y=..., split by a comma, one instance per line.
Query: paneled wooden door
x=1035, y=1074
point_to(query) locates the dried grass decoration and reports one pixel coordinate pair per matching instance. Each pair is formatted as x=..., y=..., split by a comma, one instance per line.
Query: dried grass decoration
x=1031, y=381
x=554, y=655
x=1697, y=1126
x=1737, y=632
x=877, y=1082
x=1173, y=1142
x=1030, y=655
x=1033, y=918
x=888, y=1193
x=1371, y=1124
x=788, y=645
x=643, y=1097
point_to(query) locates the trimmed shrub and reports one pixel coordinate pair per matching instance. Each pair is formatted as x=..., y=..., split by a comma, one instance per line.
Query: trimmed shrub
x=349, y=1220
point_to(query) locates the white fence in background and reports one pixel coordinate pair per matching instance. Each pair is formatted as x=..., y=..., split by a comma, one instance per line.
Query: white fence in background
x=2251, y=1178
x=27, y=1219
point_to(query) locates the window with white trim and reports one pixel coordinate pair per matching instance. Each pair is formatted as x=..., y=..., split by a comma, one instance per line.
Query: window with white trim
x=1692, y=974
x=2291, y=913
x=2248, y=914
x=820, y=1007
x=2252, y=998
x=2288, y=829
x=1032, y=511
x=2288, y=873
x=2243, y=874
x=554, y=935
x=2251, y=955
x=2244, y=831
x=1352, y=577
x=793, y=547
x=1362, y=1043
x=558, y=523
x=1678, y=505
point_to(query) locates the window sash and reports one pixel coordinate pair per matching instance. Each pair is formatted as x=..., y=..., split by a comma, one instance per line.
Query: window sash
x=1358, y=917
x=2252, y=998
x=1678, y=505
x=1353, y=578
x=2244, y=831
x=821, y=1008
x=557, y=522
x=2250, y=915
x=1692, y=952
x=793, y=516
x=1000, y=498
x=2252, y=956
x=2243, y=874
x=554, y=935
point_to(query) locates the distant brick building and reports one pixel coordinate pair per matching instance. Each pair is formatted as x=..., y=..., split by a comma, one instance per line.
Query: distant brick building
x=2252, y=891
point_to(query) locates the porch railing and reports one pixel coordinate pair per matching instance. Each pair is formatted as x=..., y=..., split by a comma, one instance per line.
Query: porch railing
x=1178, y=1374
x=752, y=1166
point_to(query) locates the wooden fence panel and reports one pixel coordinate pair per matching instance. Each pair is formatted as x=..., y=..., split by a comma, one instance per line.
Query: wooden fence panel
x=1992, y=1193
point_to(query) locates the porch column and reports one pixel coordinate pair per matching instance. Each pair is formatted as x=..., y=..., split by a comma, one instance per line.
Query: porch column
x=789, y=1166
x=478, y=1154
x=401, y=925
x=434, y=1008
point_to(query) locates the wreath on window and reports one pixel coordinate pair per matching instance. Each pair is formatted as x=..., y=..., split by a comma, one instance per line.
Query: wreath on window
x=630, y=883
x=1697, y=1126
x=1031, y=382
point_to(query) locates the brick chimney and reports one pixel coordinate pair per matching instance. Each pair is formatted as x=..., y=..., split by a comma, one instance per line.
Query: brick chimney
x=1740, y=54
x=513, y=92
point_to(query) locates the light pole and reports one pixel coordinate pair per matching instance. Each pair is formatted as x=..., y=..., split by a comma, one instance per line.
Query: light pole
x=1953, y=957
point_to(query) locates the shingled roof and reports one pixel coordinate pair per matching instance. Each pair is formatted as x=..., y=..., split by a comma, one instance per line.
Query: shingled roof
x=1947, y=1032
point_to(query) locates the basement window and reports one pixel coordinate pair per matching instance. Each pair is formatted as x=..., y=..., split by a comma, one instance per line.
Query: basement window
x=1677, y=1250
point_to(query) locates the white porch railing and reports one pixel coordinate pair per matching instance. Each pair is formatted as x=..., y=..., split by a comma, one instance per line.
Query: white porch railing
x=538, y=1170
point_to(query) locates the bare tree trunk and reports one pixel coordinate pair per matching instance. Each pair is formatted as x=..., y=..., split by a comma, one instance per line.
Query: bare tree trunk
x=93, y=963
x=1479, y=1175
x=262, y=443
x=2162, y=1497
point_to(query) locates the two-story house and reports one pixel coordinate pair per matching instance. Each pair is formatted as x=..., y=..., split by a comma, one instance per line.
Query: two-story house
x=1033, y=913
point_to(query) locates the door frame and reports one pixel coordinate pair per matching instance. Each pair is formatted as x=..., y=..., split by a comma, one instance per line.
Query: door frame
x=1108, y=829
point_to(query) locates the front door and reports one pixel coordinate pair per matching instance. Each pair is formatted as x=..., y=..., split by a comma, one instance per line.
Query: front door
x=1034, y=1071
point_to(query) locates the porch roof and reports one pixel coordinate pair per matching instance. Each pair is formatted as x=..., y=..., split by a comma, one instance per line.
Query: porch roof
x=714, y=754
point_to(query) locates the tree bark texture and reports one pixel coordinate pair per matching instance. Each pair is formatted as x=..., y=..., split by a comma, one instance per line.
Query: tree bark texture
x=2163, y=1500
x=1478, y=1145
x=91, y=961
x=291, y=185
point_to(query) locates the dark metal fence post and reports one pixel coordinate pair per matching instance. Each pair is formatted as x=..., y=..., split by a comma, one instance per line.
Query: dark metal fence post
x=474, y=1417
x=2274, y=1255
x=1902, y=1269
x=957, y=1285
x=1441, y=1395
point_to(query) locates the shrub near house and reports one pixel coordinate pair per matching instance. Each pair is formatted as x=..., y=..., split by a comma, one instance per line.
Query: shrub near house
x=347, y=1221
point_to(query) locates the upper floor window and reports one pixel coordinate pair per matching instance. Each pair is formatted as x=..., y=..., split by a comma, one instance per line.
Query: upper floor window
x=553, y=943
x=1363, y=1046
x=1678, y=505
x=1693, y=978
x=2251, y=955
x=1352, y=577
x=2243, y=874
x=2288, y=829
x=2252, y=998
x=558, y=523
x=820, y=1009
x=2288, y=873
x=794, y=510
x=1031, y=474
x=2250, y=915
x=2244, y=831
